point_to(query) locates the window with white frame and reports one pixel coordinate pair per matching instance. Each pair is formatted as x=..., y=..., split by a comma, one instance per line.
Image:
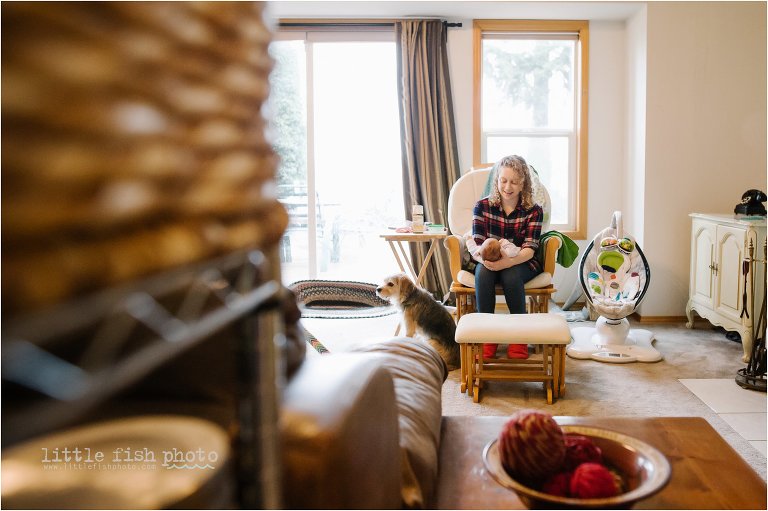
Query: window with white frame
x=531, y=100
x=335, y=125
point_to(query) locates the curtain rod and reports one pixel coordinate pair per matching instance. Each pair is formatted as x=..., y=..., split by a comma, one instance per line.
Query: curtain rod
x=288, y=24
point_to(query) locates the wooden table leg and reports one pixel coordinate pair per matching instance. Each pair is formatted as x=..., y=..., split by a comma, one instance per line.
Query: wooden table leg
x=562, y=370
x=470, y=368
x=407, y=260
x=395, y=245
x=423, y=268
x=549, y=372
x=477, y=371
x=464, y=364
x=556, y=370
x=397, y=257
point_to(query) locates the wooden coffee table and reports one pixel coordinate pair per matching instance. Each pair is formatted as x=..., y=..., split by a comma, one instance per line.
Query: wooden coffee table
x=706, y=472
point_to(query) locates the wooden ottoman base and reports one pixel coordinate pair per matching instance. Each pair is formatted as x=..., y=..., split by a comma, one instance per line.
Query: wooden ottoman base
x=550, y=331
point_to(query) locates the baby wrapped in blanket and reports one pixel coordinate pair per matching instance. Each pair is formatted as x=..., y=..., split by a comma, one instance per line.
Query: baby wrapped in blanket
x=492, y=249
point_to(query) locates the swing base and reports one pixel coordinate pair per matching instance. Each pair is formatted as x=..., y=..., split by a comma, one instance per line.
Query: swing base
x=614, y=342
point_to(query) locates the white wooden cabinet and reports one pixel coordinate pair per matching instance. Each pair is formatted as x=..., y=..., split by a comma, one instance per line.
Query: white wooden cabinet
x=719, y=246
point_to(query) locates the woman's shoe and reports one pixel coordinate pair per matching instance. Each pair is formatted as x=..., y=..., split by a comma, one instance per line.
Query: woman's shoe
x=517, y=351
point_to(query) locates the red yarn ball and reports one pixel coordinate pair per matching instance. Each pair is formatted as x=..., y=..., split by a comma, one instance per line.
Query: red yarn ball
x=592, y=481
x=531, y=445
x=580, y=449
x=558, y=484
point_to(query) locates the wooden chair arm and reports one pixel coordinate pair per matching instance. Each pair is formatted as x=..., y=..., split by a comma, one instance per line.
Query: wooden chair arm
x=551, y=246
x=456, y=247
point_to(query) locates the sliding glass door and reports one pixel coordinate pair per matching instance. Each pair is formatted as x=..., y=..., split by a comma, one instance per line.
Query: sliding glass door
x=336, y=128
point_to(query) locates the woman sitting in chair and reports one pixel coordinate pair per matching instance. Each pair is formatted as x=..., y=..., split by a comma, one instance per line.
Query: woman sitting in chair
x=507, y=213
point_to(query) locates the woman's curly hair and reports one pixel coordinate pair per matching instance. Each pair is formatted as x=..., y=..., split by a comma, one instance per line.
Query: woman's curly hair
x=518, y=164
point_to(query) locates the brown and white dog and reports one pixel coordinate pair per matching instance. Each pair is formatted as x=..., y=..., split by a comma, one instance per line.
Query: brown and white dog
x=423, y=316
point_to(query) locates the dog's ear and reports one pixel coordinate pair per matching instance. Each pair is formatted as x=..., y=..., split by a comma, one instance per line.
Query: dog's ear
x=406, y=285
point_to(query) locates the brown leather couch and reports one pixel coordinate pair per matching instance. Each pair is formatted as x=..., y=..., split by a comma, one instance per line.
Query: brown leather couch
x=361, y=430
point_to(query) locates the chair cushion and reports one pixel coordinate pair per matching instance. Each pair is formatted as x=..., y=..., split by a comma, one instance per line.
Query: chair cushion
x=543, y=279
x=545, y=328
x=466, y=191
x=471, y=187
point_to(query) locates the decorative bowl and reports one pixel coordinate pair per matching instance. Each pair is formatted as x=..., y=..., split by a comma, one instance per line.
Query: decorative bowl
x=643, y=468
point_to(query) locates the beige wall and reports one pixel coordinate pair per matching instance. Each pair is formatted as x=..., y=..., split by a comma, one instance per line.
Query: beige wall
x=705, y=129
x=634, y=184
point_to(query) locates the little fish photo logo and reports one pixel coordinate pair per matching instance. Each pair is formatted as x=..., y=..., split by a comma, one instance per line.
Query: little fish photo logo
x=189, y=460
x=127, y=458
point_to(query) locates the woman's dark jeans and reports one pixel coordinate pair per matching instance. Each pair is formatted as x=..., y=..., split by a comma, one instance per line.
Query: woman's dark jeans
x=512, y=281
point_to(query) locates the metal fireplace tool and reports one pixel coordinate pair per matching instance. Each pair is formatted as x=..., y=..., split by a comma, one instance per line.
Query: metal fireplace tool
x=754, y=375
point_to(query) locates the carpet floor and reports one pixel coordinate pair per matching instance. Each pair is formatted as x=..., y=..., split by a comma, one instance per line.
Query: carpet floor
x=593, y=389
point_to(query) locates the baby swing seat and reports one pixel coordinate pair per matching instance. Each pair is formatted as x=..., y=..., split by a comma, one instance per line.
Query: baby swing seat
x=615, y=275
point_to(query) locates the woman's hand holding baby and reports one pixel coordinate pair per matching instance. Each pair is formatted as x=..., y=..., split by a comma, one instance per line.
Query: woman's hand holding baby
x=501, y=264
x=507, y=262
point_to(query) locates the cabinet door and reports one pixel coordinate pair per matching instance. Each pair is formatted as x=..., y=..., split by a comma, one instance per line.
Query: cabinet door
x=702, y=258
x=729, y=280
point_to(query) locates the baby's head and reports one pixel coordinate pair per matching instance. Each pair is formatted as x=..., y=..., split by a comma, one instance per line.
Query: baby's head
x=490, y=250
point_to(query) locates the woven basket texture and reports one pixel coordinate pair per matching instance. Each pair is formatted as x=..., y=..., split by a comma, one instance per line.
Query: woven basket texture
x=133, y=142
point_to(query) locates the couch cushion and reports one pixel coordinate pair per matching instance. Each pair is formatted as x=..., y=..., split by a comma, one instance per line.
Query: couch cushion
x=418, y=373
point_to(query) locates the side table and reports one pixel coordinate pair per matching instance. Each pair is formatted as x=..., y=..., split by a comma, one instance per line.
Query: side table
x=396, y=239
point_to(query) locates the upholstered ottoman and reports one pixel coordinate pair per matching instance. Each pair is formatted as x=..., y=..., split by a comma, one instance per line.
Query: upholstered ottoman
x=550, y=331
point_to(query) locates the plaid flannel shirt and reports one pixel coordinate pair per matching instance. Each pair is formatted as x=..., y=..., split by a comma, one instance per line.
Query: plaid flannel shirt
x=521, y=227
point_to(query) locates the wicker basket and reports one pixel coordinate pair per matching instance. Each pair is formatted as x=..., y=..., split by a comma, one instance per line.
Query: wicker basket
x=133, y=142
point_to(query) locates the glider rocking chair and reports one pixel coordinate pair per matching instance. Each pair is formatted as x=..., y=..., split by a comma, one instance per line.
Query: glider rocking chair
x=467, y=190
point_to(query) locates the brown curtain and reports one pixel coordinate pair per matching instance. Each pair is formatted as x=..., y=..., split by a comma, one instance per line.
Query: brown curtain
x=428, y=134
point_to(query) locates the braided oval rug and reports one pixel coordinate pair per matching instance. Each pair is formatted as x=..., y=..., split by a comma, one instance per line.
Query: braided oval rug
x=336, y=299
x=314, y=342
